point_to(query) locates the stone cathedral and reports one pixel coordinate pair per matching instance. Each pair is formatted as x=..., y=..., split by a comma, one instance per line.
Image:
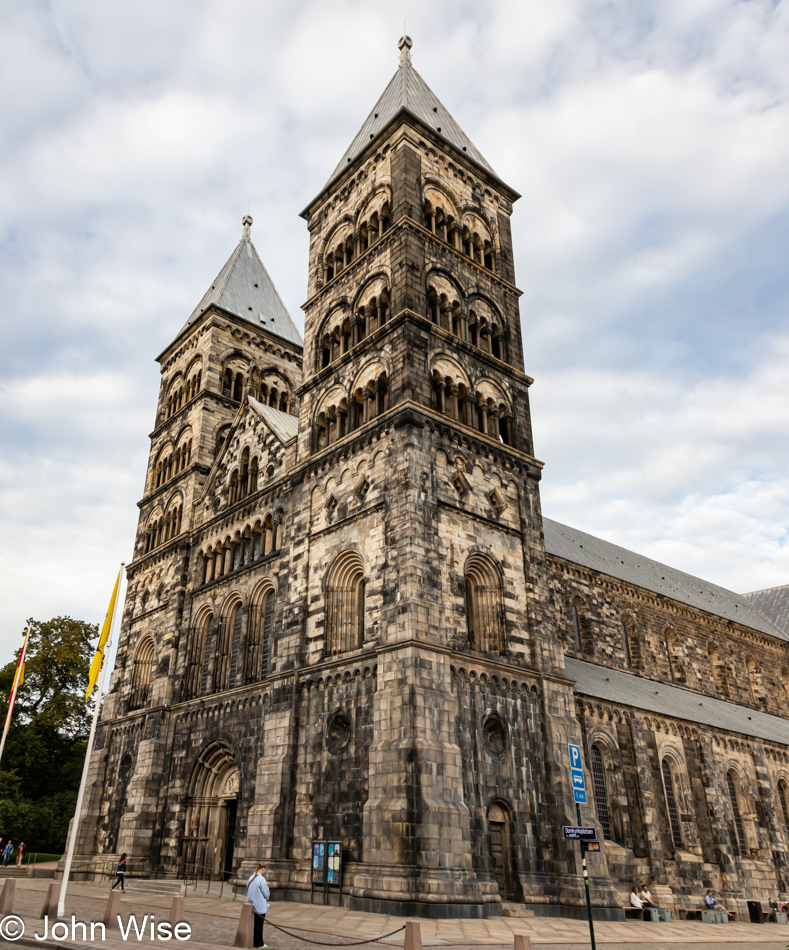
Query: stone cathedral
x=347, y=619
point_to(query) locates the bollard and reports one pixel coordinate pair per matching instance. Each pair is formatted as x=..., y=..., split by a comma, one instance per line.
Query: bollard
x=245, y=935
x=522, y=942
x=112, y=910
x=50, y=908
x=7, y=897
x=413, y=936
x=176, y=911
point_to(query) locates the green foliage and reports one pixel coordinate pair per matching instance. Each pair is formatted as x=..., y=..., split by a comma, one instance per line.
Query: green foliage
x=45, y=750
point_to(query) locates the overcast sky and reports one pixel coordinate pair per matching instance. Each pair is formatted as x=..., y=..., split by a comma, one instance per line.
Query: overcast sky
x=650, y=142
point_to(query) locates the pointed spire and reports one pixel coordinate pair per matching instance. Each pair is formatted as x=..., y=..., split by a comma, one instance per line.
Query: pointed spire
x=244, y=287
x=408, y=92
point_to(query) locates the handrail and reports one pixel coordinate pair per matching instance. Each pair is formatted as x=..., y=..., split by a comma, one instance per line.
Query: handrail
x=191, y=880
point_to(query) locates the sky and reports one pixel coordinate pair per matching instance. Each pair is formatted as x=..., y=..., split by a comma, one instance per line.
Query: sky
x=649, y=142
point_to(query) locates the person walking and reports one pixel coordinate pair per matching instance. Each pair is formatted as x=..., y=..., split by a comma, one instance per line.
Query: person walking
x=258, y=895
x=20, y=853
x=120, y=873
x=8, y=850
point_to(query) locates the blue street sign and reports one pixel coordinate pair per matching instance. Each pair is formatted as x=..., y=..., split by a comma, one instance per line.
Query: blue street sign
x=575, y=756
x=582, y=832
x=579, y=794
x=578, y=778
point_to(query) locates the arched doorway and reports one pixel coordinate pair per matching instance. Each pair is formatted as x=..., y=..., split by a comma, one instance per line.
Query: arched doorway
x=501, y=850
x=212, y=806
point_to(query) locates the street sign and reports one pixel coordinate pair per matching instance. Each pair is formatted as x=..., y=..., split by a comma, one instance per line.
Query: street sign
x=576, y=762
x=579, y=795
x=578, y=778
x=580, y=832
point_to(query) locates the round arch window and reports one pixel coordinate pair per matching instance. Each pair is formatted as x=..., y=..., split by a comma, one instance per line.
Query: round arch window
x=338, y=733
x=495, y=734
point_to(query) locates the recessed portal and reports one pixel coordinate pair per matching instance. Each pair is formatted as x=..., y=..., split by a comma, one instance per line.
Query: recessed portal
x=501, y=851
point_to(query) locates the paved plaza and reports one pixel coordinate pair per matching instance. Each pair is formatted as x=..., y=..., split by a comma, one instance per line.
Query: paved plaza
x=213, y=922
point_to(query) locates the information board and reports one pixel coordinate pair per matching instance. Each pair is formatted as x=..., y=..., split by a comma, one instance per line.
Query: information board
x=334, y=864
x=318, y=862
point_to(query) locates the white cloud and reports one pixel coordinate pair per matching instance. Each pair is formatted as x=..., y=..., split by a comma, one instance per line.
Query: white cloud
x=650, y=144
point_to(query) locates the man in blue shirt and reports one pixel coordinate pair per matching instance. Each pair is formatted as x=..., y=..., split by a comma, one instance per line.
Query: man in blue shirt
x=258, y=895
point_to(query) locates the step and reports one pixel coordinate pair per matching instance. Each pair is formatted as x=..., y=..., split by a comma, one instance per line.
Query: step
x=152, y=886
x=510, y=909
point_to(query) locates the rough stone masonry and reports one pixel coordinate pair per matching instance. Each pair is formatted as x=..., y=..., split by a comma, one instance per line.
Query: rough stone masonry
x=347, y=619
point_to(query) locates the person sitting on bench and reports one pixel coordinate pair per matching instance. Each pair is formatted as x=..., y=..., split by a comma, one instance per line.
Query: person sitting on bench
x=646, y=898
x=712, y=904
x=635, y=900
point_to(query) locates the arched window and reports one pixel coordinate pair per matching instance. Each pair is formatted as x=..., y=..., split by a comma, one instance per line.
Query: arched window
x=600, y=792
x=261, y=634
x=671, y=805
x=739, y=831
x=221, y=436
x=345, y=597
x=194, y=667
x=582, y=627
x=142, y=674
x=783, y=791
x=228, y=634
x=484, y=606
x=719, y=678
x=630, y=642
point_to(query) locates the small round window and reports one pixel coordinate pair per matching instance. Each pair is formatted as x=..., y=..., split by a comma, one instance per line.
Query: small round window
x=338, y=732
x=494, y=735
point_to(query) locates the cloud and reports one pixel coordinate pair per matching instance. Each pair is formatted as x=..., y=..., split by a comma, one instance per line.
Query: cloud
x=649, y=142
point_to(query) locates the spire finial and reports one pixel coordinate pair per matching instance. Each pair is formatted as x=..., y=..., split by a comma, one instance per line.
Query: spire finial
x=404, y=45
x=246, y=234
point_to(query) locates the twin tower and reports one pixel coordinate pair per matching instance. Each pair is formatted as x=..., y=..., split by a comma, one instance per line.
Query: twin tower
x=338, y=625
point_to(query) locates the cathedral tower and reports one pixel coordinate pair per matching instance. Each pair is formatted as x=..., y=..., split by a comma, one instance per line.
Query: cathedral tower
x=338, y=624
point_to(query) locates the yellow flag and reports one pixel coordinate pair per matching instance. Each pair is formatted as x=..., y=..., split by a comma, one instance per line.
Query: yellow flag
x=95, y=666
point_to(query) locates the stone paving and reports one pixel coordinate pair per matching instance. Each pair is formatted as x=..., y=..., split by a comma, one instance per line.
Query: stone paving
x=213, y=924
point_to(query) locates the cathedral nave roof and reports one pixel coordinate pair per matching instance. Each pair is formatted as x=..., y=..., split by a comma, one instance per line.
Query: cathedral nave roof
x=607, y=558
x=616, y=686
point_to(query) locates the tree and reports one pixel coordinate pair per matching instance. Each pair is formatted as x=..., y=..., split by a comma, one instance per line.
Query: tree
x=45, y=750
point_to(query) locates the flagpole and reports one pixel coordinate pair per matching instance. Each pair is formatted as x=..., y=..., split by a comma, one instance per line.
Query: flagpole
x=14, y=690
x=72, y=838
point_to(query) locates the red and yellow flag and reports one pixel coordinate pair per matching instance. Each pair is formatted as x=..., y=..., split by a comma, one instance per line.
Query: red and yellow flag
x=95, y=666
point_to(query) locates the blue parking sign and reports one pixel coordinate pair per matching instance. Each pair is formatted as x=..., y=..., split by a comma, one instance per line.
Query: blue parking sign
x=575, y=756
x=579, y=794
x=578, y=778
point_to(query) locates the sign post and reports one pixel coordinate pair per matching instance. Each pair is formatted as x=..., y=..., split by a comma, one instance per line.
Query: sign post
x=582, y=833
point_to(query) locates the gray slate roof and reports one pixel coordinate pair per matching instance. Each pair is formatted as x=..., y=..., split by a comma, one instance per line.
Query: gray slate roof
x=598, y=555
x=773, y=603
x=618, y=687
x=244, y=287
x=284, y=425
x=408, y=91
